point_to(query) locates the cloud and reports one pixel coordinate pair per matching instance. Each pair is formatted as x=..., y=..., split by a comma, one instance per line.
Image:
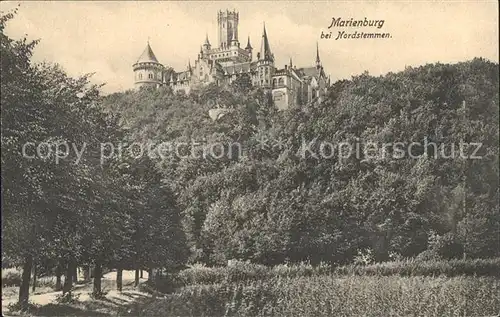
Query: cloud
x=107, y=37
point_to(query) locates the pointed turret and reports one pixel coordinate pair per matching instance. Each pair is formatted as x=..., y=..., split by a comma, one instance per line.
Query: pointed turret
x=249, y=47
x=147, y=56
x=291, y=64
x=265, y=49
x=206, y=45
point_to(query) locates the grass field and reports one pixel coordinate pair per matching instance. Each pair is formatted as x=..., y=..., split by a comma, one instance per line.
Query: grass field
x=403, y=288
x=335, y=296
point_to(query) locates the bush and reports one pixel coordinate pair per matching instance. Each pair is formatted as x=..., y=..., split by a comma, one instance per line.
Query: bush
x=239, y=271
x=244, y=271
x=412, y=267
x=11, y=277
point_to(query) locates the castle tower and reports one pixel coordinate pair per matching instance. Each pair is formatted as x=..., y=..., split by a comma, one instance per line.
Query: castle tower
x=228, y=27
x=265, y=63
x=147, y=70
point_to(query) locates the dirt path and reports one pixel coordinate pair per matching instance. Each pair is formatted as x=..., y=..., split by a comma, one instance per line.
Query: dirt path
x=81, y=293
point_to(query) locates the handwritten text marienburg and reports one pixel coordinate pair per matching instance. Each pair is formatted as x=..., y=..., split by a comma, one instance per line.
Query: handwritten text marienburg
x=353, y=23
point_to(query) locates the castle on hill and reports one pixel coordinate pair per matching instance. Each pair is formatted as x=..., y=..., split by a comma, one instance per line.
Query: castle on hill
x=228, y=61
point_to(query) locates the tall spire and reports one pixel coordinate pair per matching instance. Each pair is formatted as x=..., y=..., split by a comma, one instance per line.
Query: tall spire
x=265, y=49
x=206, y=40
x=318, y=61
x=291, y=65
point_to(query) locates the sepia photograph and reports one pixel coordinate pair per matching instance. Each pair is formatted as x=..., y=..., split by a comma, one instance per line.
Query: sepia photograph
x=253, y=158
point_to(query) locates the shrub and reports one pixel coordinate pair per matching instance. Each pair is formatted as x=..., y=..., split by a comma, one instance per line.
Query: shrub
x=412, y=267
x=11, y=277
x=68, y=298
x=244, y=271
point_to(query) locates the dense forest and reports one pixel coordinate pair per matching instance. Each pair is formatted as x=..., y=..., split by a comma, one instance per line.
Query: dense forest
x=265, y=204
x=271, y=205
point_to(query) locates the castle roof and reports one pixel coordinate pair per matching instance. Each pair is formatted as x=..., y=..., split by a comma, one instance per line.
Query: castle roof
x=147, y=56
x=308, y=71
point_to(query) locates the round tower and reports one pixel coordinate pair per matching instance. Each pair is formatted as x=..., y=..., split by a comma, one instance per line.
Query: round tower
x=147, y=70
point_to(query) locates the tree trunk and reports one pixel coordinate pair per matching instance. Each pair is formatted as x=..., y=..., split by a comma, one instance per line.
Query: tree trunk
x=75, y=275
x=68, y=278
x=150, y=275
x=34, y=279
x=24, y=288
x=97, y=279
x=136, y=283
x=119, y=280
x=141, y=274
x=58, y=278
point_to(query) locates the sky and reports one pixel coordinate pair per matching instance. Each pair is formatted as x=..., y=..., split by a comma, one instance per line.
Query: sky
x=106, y=38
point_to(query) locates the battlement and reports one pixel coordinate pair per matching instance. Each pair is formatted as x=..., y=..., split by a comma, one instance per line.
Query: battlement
x=223, y=15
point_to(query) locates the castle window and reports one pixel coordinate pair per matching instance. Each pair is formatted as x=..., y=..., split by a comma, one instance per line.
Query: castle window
x=150, y=76
x=274, y=82
x=280, y=81
x=140, y=76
